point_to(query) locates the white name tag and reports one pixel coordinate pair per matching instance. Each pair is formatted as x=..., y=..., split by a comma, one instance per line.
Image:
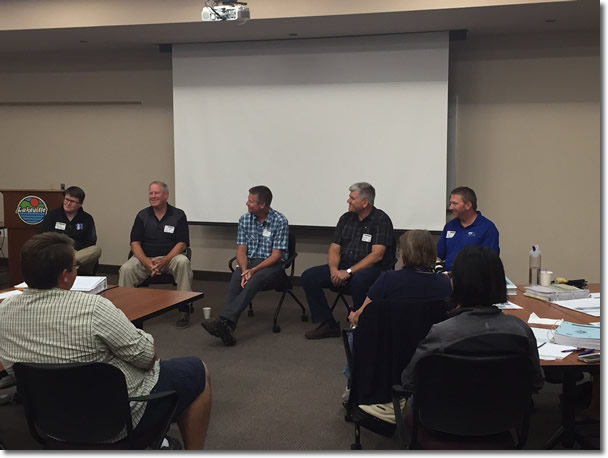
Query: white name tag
x=60, y=226
x=265, y=233
x=450, y=234
x=366, y=238
x=169, y=229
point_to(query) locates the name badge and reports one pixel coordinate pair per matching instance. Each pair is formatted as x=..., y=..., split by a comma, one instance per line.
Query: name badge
x=169, y=229
x=265, y=233
x=60, y=226
x=366, y=238
x=450, y=234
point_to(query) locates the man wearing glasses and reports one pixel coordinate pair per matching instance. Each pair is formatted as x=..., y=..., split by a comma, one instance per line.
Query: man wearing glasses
x=70, y=219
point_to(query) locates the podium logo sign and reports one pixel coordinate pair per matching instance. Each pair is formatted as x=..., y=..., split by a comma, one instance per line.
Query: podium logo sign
x=31, y=210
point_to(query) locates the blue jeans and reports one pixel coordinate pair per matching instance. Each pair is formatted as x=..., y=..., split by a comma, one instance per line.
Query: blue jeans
x=317, y=278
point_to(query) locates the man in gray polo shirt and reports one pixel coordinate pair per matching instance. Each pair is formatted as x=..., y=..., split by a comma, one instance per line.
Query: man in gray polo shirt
x=159, y=239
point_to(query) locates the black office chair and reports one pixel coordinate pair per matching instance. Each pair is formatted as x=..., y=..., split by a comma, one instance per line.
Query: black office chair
x=467, y=402
x=83, y=406
x=384, y=341
x=285, y=287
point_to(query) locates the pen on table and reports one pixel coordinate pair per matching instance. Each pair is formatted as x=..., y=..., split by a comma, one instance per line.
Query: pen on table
x=541, y=344
x=587, y=352
x=568, y=350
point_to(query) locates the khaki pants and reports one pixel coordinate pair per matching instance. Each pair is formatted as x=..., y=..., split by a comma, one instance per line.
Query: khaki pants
x=87, y=257
x=133, y=272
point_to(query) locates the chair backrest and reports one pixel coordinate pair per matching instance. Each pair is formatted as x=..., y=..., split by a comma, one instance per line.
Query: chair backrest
x=472, y=395
x=75, y=402
x=385, y=340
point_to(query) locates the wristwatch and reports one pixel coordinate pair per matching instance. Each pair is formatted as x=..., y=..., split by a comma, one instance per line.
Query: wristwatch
x=349, y=271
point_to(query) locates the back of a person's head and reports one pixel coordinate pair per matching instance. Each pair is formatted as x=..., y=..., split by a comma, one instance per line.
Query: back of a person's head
x=417, y=249
x=44, y=257
x=478, y=278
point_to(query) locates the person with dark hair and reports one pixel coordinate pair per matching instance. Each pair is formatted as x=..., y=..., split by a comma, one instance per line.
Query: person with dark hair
x=469, y=227
x=71, y=219
x=159, y=239
x=262, y=245
x=362, y=248
x=415, y=281
x=476, y=326
x=50, y=324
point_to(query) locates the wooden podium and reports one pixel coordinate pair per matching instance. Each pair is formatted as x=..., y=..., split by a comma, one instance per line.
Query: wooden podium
x=23, y=212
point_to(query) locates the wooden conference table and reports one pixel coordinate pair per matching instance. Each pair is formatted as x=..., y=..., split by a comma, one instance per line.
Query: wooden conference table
x=140, y=304
x=568, y=369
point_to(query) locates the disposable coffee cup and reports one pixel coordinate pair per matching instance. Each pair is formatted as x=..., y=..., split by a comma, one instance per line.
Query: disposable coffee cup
x=546, y=276
x=207, y=312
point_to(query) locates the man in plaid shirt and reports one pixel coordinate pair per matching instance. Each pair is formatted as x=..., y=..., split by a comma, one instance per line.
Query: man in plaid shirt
x=361, y=249
x=50, y=324
x=262, y=242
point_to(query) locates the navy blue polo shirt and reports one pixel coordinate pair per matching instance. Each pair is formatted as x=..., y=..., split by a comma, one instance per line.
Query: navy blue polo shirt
x=158, y=238
x=454, y=238
x=81, y=229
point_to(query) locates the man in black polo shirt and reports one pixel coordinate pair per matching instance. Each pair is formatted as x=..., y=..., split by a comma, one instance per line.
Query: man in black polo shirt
x=70, y=219
x=159, y=238
x=361, y=249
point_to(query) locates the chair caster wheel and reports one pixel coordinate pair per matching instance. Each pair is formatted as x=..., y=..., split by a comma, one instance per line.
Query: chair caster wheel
x=304, y=317
x=250, y=313
x=276, y=328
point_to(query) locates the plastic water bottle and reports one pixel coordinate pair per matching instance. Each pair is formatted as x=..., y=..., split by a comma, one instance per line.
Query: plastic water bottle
x=534, y=275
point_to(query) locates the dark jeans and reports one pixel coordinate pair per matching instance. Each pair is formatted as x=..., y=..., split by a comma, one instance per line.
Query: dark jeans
x=239, y=298
x=317, y=278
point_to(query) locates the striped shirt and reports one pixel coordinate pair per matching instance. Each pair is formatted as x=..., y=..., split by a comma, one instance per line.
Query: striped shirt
x=262, y=238
x=58, y=326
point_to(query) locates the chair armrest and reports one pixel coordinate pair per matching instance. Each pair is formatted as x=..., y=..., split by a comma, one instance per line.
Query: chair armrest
x=397, y=393
x=289, y=260
x=231, y=264
x=152, y=396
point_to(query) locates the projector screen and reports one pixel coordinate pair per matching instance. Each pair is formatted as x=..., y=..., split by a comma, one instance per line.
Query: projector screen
x=308, y=118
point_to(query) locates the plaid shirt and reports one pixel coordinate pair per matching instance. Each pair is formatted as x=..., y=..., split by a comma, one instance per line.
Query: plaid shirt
x=58, y=326
x=357, y=237
x=262, y=238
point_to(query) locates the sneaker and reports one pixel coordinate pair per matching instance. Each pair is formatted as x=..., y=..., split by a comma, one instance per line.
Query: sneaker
x=171, y=443
x=384, y=412
x=7, y=381
x=219, y=328
x=183, y=320
x=324, y=330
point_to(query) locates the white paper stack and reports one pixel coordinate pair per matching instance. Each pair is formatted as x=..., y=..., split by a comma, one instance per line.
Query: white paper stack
x=556, y=292
x=577, y=335
x=511, y=288
x=91, y=285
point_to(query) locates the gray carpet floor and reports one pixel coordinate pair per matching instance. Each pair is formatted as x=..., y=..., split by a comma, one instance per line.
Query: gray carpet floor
x=272, y=391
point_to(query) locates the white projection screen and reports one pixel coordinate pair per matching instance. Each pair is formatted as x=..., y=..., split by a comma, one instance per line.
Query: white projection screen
x=308, y=118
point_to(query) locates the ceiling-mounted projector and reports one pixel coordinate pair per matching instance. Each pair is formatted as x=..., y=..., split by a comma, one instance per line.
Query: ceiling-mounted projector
x=229, y=11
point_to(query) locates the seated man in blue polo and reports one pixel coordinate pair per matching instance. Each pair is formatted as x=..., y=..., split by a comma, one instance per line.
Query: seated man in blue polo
x=159, y=238
x=362, y=248
x=469, y=227
x=262, y=242
x=71, y=219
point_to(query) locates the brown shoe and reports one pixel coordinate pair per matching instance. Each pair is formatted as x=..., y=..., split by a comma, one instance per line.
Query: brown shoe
x=324, y=330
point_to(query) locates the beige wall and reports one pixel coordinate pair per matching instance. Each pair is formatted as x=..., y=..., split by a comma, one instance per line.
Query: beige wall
x=528, y=141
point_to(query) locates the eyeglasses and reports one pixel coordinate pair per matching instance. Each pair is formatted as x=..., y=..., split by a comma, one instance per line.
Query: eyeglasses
x=75, y=266
x=71, y=201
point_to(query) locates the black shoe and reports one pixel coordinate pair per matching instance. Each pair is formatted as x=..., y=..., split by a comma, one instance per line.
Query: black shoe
x=219, y=328
x=324, y=330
